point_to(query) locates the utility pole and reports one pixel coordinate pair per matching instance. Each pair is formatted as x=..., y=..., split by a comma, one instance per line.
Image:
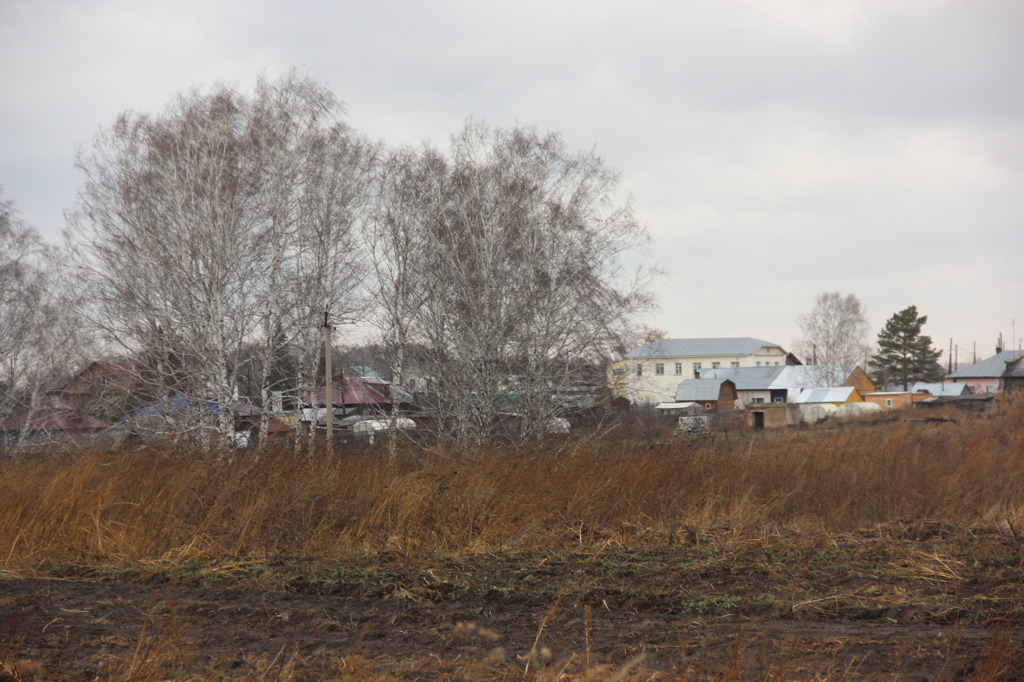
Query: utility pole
x=329, y=375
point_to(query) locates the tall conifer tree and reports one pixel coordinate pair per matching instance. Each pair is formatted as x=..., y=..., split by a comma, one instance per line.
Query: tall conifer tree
x=904, y=354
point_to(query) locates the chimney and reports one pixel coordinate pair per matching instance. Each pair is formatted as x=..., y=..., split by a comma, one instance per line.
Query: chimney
x=999, y=344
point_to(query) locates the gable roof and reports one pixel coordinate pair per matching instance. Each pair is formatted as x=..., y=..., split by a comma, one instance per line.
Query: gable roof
x=700, y=390
x=668, y=348
x=1015, y=368
x=987, y=369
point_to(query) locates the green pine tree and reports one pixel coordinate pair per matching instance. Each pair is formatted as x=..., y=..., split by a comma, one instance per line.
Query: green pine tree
x=904, y=354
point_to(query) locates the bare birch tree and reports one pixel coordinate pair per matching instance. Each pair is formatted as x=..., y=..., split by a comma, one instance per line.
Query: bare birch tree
x=21, y=285
x=41, y=341
x=22, y=290
x=164, y=227
x=314, y=183
x=502, y=263
x=328, y=269
x=226, y=221
x=834, y=337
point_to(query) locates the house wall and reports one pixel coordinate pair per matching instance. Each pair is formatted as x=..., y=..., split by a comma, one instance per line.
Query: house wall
x=855, y=397
x=860, y=380
x=899, y=401
x=981, y=384
x=775, y=417
x=753, y=398
x=648, y=386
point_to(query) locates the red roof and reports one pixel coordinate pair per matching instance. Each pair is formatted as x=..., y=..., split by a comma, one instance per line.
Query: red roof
x=52, y=419
x=121, y=372
x=355, y=391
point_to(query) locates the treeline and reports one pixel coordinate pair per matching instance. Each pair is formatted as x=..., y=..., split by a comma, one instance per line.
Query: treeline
x=233, y=221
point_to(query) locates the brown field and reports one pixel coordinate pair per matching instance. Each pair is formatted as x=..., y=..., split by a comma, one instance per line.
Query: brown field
x=877, y=550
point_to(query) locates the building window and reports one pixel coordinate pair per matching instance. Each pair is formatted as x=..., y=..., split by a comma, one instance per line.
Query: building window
x=679, y=368
x=735, y=364
x=777, y=399
x=412, y=384
x=659, y=368
x=757, y=401
x=758, y=363
x=888, y=402
x=696, y=368
x=715, y=365
x=618, y=371
x=639, y=370
x=707, y=406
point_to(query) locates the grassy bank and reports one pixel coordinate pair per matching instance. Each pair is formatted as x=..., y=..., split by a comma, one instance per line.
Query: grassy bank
x=165, y=504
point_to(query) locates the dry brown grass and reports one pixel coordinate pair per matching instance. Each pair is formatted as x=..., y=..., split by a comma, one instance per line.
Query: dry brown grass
x=166, y=505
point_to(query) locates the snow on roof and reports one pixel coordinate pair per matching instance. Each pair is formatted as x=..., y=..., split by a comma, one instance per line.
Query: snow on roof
x=766, y=378
x=668, y=348
x=839, y=394
x=937, y=388
x=745, y=378
x=675, y=406
x=990, y=368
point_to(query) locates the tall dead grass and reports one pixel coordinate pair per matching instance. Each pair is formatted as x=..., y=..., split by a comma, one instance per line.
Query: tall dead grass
x=164, y=504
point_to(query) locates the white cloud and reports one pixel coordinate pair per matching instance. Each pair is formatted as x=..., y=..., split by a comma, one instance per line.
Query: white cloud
x=776, y=150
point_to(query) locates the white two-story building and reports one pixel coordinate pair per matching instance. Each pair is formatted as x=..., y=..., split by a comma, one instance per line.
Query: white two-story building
x=651, y=373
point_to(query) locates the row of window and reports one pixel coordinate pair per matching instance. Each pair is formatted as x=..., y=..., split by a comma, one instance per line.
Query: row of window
x=659, y=368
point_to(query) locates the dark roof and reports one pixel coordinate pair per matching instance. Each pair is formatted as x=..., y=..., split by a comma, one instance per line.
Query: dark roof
x=990, y=368
x=1015, y=368
x=123, y=372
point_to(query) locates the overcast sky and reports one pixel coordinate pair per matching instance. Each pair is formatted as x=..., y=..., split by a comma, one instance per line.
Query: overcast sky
x=775, y=150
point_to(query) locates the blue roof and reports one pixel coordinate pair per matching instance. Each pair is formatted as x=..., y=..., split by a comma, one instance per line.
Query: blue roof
x=176, y=404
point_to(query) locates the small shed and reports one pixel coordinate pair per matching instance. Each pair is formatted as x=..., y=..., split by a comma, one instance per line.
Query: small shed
x=716, y=395
x=760, y=416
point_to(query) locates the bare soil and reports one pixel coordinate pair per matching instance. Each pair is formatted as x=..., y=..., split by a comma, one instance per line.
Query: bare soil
x=914, y=602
